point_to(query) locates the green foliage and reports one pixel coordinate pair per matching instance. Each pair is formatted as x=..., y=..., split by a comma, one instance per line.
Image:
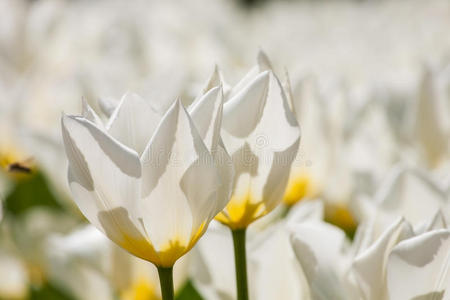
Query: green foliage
x=31, y=192
x=188, y=293
x=49, y=292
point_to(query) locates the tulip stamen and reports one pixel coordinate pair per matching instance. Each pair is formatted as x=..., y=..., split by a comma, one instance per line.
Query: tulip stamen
x=299, y=187
x=240, y=213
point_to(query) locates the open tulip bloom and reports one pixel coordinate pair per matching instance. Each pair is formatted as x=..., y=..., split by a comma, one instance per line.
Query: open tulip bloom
x=262, y=136
x=150, y=182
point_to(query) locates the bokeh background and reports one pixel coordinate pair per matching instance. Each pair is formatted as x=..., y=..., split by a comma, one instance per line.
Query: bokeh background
x=373, y=76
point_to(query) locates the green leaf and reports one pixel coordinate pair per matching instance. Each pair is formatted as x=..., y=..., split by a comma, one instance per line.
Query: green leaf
x=31, y=192
x=188, y=293
x=49, y=291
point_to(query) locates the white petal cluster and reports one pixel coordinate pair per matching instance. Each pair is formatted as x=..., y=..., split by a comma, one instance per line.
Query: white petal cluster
x=147, y=180
x=340, y=169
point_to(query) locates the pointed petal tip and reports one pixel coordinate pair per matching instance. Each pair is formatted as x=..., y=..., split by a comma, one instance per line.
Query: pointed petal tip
x=65, y=117
x=263, y=60
x=176, y=106
x=286, y=73
x=85, y=107
x=260, y=52
x=265, y=75
x=178, y=102
x=217, y=89
x=127, y=94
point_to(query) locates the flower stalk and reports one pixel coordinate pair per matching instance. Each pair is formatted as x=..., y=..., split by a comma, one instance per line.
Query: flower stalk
x=240, y=259
x=166, y=282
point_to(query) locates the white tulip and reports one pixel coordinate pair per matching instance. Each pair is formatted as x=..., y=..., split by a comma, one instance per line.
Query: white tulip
x=147, y=181
x=401, y=256
x=310, y=166
x=262, y=136
x=406, y=192
x=322, y=250
x=430, y=132
x=418, y=268
x=323, y=166
x=369, y=266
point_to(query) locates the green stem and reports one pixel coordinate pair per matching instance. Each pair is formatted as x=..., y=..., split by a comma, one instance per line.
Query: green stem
x=240, y=259
x=166, y=281
x=285, y=210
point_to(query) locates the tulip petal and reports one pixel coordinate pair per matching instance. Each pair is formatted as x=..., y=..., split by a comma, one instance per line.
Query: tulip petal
x=307, y=210
x=419, y=268
x=263, y=61
x=207, y=116
x=133, y=122
x=369, y=266
x=213, y=277
x=104, y=177
x=429, y=128
x=437, y=222
x=206, y=113
x=262, y=136
x=243, y=112
x=262, y=111
x=411, y=194
x=213, y=81
x=180, y=182
x=225, y=169
x=272, y=258
x=90, y=114
x=318, y=248
x=277, y=177
x=107, y=106
x=263, y=64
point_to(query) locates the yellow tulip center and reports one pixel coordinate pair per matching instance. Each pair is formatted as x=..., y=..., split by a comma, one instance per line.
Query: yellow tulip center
x=340, y=215
x=13, y=162
x=141, y=289
x=300, y=186
x=241, y=212
x=168, y=254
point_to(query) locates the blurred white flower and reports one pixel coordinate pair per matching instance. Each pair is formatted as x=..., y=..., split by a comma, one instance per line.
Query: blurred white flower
x=90, y=266
x=14, y=283
x=430, y=128
x=382, y=269
x=323, y=253
x=309, y=167
x=424, y=261
x=272, y=266
x=377, y=268
x=408, y=193
x=322, y=168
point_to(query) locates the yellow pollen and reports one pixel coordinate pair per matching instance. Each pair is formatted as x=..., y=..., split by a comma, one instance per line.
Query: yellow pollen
x=241, y=212
x=170, y=252
x=299, y=187
x=141, y=289
x=340, y=215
